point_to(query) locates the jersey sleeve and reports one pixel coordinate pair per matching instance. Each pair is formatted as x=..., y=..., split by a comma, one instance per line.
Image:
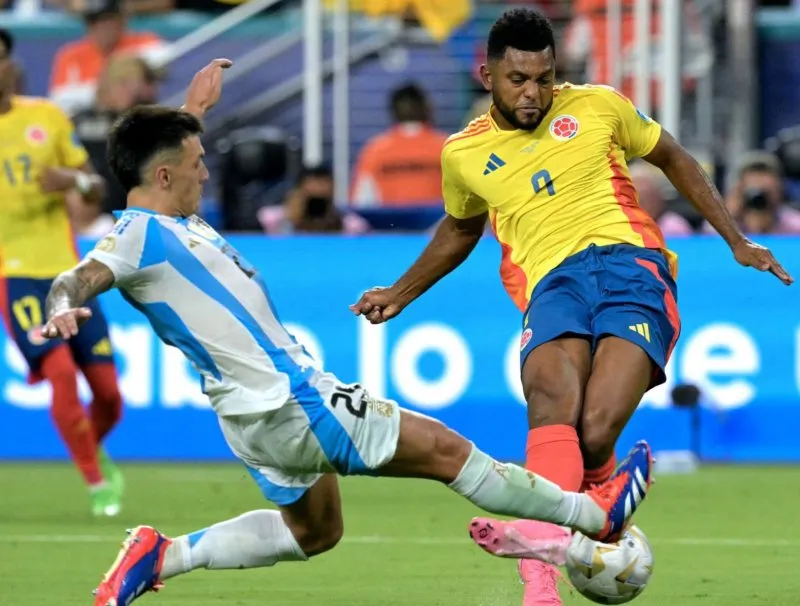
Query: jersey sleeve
x=71, y=152
x=122, y=249
x=459, y=201
x=636, y=132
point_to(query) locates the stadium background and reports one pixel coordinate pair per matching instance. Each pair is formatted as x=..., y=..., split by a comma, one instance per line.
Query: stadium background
x=454, y=353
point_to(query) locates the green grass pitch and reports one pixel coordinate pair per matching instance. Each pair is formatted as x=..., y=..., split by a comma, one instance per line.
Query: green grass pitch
x=724, y=536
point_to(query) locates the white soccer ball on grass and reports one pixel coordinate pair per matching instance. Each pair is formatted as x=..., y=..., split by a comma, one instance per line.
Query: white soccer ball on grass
x=610, y=573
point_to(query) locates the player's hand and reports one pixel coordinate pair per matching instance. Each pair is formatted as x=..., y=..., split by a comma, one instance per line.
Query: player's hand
x=379, y=305
x=66, y=324
x=52, y=180
x=750, y=254
x=206, y=87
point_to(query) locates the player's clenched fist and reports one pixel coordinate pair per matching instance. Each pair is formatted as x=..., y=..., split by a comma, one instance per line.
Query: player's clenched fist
x=378, y=305
x=66, y=324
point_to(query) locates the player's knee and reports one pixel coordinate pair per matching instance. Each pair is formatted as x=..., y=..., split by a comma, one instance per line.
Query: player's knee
x=599, y=431
x=450, y=452
x=110, y=401
x=67, y=413
x=552, y=397
x=443, y=452
x=315, y=539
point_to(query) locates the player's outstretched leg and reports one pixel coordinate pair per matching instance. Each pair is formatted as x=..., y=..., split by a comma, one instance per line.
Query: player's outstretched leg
x=426, y=448
x=310, y=526
x=502, y=539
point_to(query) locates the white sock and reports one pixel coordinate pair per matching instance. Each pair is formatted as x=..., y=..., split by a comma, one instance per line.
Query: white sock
x=254, y=539
x=507, y=489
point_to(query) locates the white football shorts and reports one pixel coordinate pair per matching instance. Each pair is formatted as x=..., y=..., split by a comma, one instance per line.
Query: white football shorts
x=332, y=428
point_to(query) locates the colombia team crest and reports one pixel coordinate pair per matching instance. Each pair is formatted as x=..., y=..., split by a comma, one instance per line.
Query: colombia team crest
x=564, y=128
x=35, y=135
x=527, y=335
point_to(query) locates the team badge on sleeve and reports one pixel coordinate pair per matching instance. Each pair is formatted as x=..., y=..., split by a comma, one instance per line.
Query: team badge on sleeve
x=643, y=115
x=107, y=244
x=564, y=128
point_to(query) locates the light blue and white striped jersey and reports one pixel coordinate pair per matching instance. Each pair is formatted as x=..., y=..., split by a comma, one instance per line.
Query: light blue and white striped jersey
x=201, y=296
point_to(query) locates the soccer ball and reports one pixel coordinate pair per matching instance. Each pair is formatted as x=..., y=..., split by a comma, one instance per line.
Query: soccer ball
x=610, y=574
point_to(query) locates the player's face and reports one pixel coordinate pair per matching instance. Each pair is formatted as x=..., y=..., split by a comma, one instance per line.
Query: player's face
x=189, y=177
x=107, y=31
x=521, y=84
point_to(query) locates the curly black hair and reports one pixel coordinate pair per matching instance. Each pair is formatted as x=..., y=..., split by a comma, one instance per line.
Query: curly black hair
x=520, y=28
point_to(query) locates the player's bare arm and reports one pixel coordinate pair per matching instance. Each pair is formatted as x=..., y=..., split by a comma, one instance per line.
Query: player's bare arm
x=693, y=183
x=206, y=87
x=452, y=243
x=85, y=180
x=69, y=292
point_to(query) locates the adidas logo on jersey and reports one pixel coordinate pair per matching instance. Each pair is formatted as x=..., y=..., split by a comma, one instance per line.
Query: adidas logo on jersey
x=493, y=164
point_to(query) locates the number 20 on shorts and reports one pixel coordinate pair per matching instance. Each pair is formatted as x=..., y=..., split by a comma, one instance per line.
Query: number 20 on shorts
x=543, y=181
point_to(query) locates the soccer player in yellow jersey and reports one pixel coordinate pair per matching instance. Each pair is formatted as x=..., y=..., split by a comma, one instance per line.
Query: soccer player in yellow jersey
x=588, y=269
x=40, y=161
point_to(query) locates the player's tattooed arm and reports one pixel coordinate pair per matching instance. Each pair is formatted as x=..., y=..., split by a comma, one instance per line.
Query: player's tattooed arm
x=69, y=292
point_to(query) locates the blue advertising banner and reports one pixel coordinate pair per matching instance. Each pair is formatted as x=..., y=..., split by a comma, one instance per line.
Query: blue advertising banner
x=453, y=354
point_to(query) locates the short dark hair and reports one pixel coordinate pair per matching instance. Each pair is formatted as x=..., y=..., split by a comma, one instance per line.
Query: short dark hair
x=520, y=28
x=758, y=161
x=7, y=39
x=409, y=103
x=143, y=132
x=323, y=170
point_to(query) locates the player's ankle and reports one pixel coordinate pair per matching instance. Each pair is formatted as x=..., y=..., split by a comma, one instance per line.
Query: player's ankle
x=177, y=559
x=97, y=485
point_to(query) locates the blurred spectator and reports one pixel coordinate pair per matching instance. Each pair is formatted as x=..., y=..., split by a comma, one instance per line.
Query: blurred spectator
x=20, y=79
x=125, y=83
x=653, y=187
x=220, y=6
x=129, y=7
x=480, y=106
x=309, y=208
x=78, y=65
x=402, y=166
x=586, y=49
x=757, y=200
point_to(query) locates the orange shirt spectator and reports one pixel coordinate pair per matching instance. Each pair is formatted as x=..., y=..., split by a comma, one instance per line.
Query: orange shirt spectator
x=78, y=65
x=402, y=167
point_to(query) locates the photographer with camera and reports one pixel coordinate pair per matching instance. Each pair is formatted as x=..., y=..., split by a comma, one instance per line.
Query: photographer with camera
x=758, y=201
x=309, y=208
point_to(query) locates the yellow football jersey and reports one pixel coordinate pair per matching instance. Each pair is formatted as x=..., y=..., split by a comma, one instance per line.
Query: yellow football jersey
x=553, y=191
x=36, y=239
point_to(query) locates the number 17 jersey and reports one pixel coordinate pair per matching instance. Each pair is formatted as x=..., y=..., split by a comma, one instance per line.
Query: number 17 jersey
x=552, y=192
x=36, y=239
